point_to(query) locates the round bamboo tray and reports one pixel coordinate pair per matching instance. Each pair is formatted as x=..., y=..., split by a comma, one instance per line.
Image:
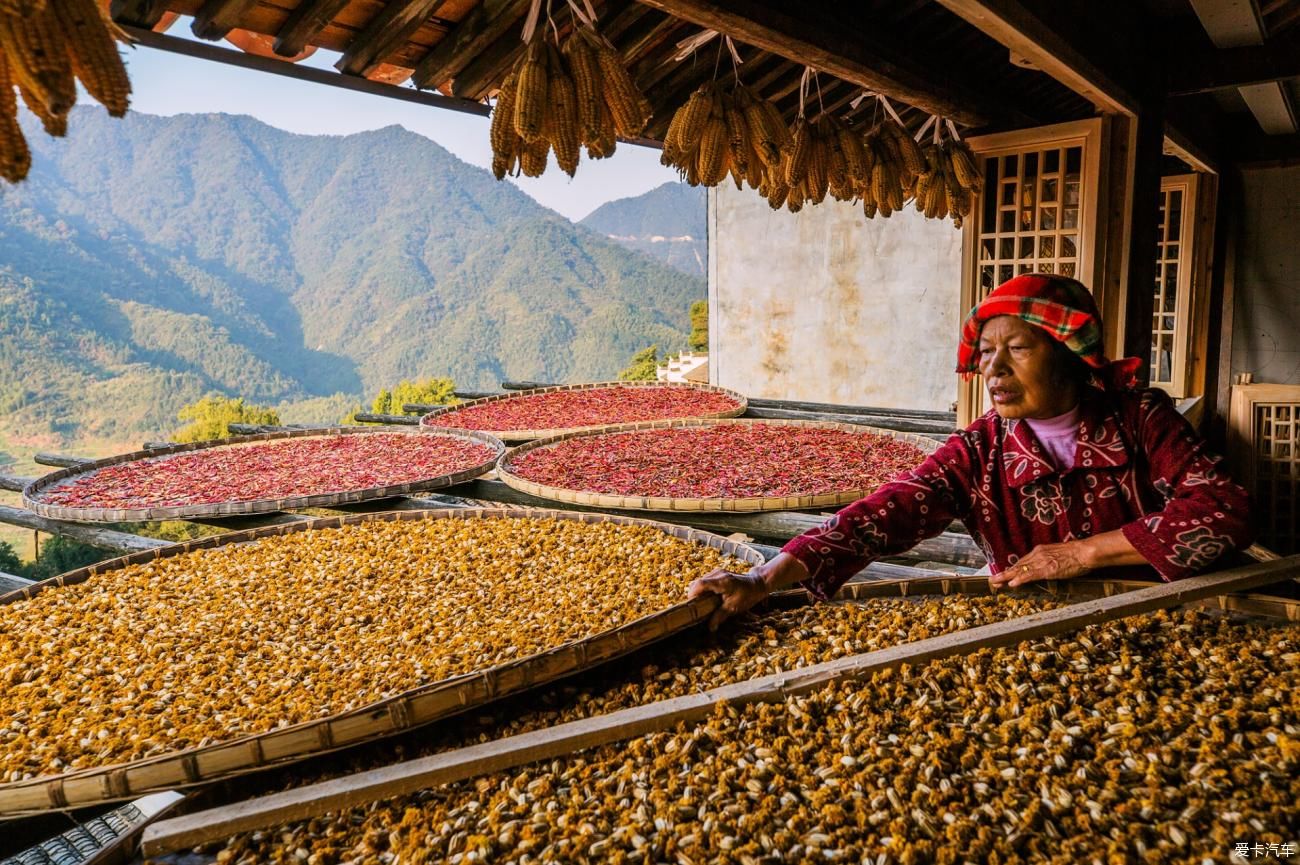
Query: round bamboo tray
x=377, y=720
x=430, y=419
x=32, y=493
x=663, y=503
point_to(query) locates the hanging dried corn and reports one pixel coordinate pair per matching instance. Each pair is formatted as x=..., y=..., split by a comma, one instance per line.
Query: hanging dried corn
x=892, y=162
x=38, y=58
x=951, y=180
x=815, y=163
x=93, y=53
x=560, y=99
x=15, y=158
x=45, y=47
x=726, y=130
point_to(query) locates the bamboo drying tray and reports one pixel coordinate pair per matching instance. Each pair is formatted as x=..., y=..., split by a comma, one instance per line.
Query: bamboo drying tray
x=32, y=500
x=376, y=720
x=663, y=503
x=1248, y=604
x=430, y=419
x=562, y=740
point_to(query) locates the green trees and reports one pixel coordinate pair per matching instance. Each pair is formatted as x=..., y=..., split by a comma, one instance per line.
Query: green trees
x=211, y=418
x=60, y=555
x=643, y=365
x=9, y=561
x=699, y=338
x=430, y=391
x=433, y=391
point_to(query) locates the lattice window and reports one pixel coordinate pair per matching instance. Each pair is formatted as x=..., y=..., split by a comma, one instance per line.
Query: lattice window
x=1031, y=214
x=1264, y=443
x=1277, y=475
x=1037, y=213
x=1170, y=324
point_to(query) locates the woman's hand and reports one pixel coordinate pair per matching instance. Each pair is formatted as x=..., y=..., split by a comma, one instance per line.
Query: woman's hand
x=739, y=592
x=1045, y=562
x=1070, y=559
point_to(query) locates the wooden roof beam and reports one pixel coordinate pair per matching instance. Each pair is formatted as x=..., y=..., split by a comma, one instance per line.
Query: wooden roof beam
x=1275, y=60
x=307, y=20
x=1025, y=33
x=478, y=78
x=386, y=33
x=138, y=13
x=485, y=23
x=217, y=54
x=1239, y=25
x=870, y=60
x=216, y=18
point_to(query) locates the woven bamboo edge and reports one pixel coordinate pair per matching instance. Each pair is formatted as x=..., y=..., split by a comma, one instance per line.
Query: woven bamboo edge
x=529, y=435
x=1252, y=604
x=382, y=718
x=667, y=504
x=31, y=494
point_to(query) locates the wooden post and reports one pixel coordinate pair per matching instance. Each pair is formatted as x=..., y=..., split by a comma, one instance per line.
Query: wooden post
x=1223, y=299
x=1144, y=219
x=14, y=483
x=13, y=582
x=96, y=536
x=565, y=739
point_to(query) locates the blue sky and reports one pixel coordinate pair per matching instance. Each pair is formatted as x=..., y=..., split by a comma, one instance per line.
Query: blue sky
x=166, y=83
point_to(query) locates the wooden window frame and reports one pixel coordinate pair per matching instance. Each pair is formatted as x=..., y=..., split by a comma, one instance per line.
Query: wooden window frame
x=1243, y=443
x=1189, y=243
x=1090, y=136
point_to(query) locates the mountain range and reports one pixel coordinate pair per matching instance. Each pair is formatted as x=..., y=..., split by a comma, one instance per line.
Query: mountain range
x=667, y=222
x=149, y=260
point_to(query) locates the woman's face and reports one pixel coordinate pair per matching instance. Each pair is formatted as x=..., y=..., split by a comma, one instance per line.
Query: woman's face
x=1016, y=360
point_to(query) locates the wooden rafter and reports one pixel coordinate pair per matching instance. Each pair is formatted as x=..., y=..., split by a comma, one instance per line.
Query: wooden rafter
x=138, y=13
x=386, y=34
x=1018, y=26
x=216, y=18
x=481, y=27
x=479, y=77
x=204, y=51
x=306, y=20
x=865, y=59
x=1285, y=20
x=648, y=37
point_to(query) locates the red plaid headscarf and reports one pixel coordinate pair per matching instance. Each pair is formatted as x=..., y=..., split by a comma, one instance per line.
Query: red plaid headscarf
x=1062, y=307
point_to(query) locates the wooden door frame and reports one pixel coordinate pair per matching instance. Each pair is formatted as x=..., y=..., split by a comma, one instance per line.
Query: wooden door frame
x=1091, y=134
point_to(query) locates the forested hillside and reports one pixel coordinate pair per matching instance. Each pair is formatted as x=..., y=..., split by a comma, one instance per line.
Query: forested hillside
x=150, y=260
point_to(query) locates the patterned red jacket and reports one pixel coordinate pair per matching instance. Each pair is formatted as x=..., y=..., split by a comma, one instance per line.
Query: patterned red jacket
x=1140, y=467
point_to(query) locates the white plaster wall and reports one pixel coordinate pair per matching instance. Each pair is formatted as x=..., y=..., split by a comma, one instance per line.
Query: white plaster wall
x=1266, y=316
x=828, y=306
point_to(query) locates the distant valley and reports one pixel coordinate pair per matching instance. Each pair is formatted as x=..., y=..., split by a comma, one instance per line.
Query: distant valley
x=150, y=260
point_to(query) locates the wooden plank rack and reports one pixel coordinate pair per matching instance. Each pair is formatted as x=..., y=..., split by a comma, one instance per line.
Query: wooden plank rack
x=565, y=739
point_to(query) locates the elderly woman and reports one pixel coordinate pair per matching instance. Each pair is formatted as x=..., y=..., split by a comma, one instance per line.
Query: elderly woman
x=1071, y=471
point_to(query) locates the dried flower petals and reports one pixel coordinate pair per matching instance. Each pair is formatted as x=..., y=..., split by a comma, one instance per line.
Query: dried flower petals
x=720, y=461
x=219, y=643
x=1154, y=739
x=278, y=469
x=596, y=406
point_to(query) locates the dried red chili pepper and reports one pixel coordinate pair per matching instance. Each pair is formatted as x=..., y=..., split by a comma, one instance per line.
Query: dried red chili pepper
x=597, y=406
x=278, y=469
x=720, y=461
